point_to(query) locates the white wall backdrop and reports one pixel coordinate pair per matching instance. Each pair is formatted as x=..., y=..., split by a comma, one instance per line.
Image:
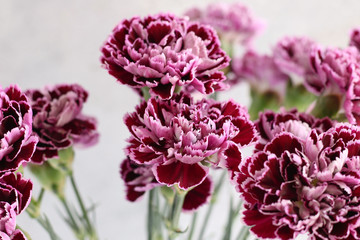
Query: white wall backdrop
x=47, y=42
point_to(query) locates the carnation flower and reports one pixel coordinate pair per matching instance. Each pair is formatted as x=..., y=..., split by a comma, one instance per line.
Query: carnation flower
x=140, y=178
x=341, y=69
x=292, y=55
x=270, y=124
x=355, y=38
x=304, y=184
x=261, y=72
x=198, y=196
x=7, y=218
x=15, y=195
x=17, y=143
x=352, y=99
x=163, y=52
x=179, y=138
x=16, y=235
x=232, y=21
x=338, y=66
x=297, y=57
x=58, y=121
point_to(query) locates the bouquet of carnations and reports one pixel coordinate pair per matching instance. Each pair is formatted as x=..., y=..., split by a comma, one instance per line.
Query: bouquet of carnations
x=293, y=155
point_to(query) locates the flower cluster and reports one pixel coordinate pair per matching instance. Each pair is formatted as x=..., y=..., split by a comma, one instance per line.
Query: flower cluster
x=58, y=121
x=163, y=52
x=16, y=147
x=304, y=180
x=323, y=71
x=179, y=138
x=234, y=22
x=303, y=176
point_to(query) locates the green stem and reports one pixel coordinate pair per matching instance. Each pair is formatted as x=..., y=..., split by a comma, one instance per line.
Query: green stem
x=41, y=195
x=233, y=213
x=206, y=220
x=176, y=212
x=244, y=233
x=150, y=219
x=33, y=211
x=90, y=228
x=73, y=223
x=192, y=227
x=230, y=221
x=158, y=217
x=45, y=223
x=211, y=206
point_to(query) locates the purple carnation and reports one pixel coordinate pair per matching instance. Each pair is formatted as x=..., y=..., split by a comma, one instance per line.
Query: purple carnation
x=352, y=99
x=338, y=66
x=140, y=178
x=198, y=196
x=292, y=54
x=162, y=52
x=232, y=21
x=270, y=124
x=15, y=195
x=341, y=69
x=179, y=138
x=17, y=143
x=298, y=57
x=307, y=185
x=7, y=218
x=58, y=121
x=355, y=38
x=16, y=235
x=261, y=72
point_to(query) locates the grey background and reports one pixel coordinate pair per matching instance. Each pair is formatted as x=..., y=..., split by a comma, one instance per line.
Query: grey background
x=47, y=42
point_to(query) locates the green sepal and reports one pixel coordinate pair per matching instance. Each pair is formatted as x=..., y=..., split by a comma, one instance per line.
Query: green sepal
x=52, y=173
x=227, y=46
x=341, y=117
x=52, y=179
x=168, y=194
x=327, y=106
x=20, y=170
x=146, y=93
x=33, y=208
x=263, y=100
x=65, y=160
x=297, y=96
